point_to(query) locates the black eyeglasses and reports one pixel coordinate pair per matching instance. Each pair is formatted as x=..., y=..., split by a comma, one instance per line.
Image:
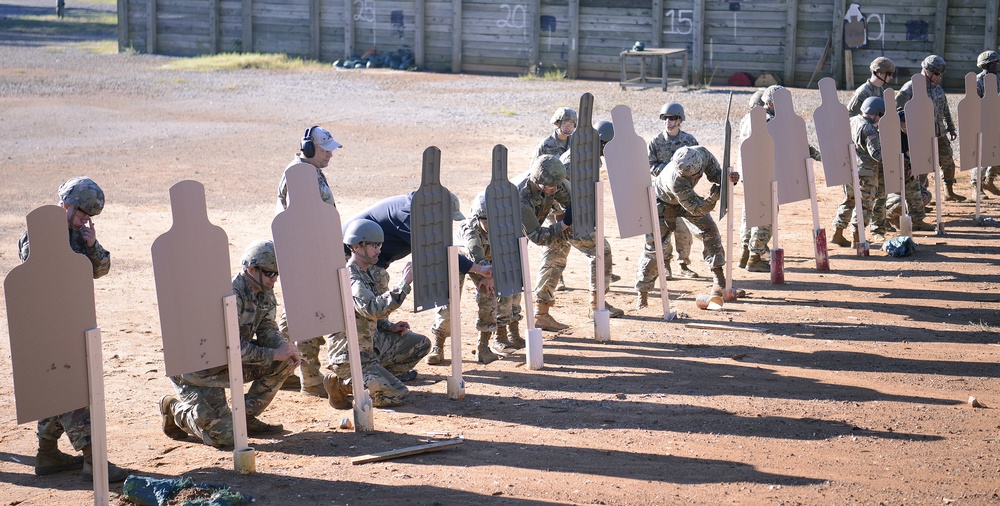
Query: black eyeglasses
x=270, y=274
x=937, y=74
x=671, y=118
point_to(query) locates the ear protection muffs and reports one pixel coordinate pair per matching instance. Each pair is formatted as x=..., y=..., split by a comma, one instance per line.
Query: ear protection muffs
x=308, y=149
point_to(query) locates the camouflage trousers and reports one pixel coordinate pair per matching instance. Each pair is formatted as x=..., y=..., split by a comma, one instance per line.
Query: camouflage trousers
x=683, y=239
x=392, y=354
x=992, y=173
x=309, y=350
x=554, y=263
x=754, y=238
x=493, y=311
x=712, y=250
x=75, y=424
x=871, y=187
x=946, y=158
x=915, y=193
x=874, y=214
x=202, y=410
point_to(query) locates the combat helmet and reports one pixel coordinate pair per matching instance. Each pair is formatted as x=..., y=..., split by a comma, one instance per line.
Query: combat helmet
x=456, y=208
x=768, y=96
x=260, y=254
x=564, y=114
x=933, y=63
x=873, y=105
x=547, y=170
x=672, y=109
x=478, y=209
x=755, y=99
x=605, y=130
x=688, y=161
x=881, y=65
x=363, y=230
x=986, y=58
x=84, y=194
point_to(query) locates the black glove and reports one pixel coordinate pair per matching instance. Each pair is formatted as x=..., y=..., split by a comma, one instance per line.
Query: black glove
x=568, y=216
x=716, y=189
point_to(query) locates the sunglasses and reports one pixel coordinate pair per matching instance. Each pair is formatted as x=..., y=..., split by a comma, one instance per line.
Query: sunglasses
x=671, y=118
x=270, y=274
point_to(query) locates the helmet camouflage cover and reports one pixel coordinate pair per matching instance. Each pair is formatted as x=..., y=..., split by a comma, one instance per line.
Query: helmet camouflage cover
x=260, y=254
x=547, y=170
x=564, y=114
x=478, y=209
x=882, y=64
x=934, y=63
x=688, y=161
x=84, y=194
x=986, y=58
x=768, y=96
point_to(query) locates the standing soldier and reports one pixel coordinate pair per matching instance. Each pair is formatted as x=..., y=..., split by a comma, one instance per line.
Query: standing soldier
x=565, y=120
x=989, y=61
x=387, y=349
x=661, y=149
x=316, y=149
x=82, y=199
x=268, y=359
x=675, y=189
x=933, y=68
x=868, y=149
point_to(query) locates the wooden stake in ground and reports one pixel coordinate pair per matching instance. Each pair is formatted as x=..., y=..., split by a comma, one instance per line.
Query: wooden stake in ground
x=862, y=242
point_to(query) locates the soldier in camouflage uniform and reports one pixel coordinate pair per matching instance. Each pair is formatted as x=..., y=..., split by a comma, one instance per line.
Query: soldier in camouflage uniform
x=496, y=314
x=557, y=144
x=316, y=149
x=661, y=149
x=917, y=197
x=387, y=349
x=868, y=149
x=540, y=189
x=675, y=190
x=200, y=408
x=989, y=62
x=933, y=68
x=883, y=69
x=82, y=199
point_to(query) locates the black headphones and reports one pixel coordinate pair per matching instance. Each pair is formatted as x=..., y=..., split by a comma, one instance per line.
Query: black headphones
x=308, y=148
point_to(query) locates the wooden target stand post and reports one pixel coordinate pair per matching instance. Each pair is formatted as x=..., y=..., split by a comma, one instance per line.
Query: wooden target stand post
x=833, y=130
x=794, y=178
x=587, y=194
x=729, y=294
x=191, y=272
x=315, y=281
x=633, y=195
x=920, y=126
x=511, y=273
x=56, y=355
x=893, y=164
x=435, y=258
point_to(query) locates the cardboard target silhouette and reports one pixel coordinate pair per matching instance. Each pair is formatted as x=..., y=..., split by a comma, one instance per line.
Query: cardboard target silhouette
x=757, y=155
x=969, y=124
x=192, y=274
x=991, y=123
x=430, y=215
x=920, y=127
x=833, y=130
x=790, y=161
x=50, y=306
x=308, y=244
x=628, y=173
x=585, y=146
x=891, y=139
x=503, y=218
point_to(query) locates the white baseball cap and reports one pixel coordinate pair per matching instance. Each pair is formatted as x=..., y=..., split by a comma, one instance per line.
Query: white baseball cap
x=321, y=137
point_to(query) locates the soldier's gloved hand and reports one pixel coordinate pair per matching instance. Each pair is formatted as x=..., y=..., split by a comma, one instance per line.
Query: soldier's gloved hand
x=716, y=190
x=568, y=217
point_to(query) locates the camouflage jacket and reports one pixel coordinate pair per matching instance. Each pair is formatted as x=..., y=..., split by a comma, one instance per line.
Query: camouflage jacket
x=981, y=83
x=374, y=301
x=475, y=242
x=535, y=207
x=551, y=145
x=677, y=190
x=864, y=91
x=99, y=257
x=324, y=188
x=867, y=146
x=942, y=114
x=662, y=148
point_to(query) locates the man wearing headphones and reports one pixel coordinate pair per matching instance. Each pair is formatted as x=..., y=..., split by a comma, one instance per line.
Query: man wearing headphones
x=316, y=149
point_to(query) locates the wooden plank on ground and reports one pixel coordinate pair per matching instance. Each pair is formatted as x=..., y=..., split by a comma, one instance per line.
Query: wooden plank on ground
x=403, y=452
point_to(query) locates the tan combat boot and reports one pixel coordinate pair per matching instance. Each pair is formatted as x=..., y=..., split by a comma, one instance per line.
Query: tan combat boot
x=544, y=320
x=744, y=257
x=613, y=312
x=436, y=355
x=719, y=281
x=115, y=473
x=49, y=460
x=922, y=226
x=500, y=344
x=338, y=392
x=990, y=187
x=515, y=336
x=170, y=427
x=952, y=196
x=839, y=239
x=758, y=264
x=483, y=352
x=642, y=300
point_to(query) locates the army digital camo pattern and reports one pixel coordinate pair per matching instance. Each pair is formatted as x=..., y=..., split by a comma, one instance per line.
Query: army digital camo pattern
x=661, y=149
x=384, y=353
x=864, y=91
x=981, y=83
x=260, y=254
x=915, y=201
x=882, y=65
x=325, y=192
x=493, y=311
x=551, y=145
x=84, y=194
x=942, y=123
x=564, y=114
x=869, y=158
x=202, y=410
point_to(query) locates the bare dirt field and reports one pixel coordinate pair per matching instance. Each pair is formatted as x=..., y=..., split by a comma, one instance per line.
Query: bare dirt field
x=856, y=392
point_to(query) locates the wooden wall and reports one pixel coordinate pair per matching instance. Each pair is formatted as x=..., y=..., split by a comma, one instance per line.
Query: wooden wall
x=582, y=37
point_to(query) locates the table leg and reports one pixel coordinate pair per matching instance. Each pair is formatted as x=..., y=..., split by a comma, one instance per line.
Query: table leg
x=684, y=69
x=622, y=57
x=663, y=63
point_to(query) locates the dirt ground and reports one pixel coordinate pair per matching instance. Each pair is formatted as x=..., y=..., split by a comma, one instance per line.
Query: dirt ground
x=855, y=391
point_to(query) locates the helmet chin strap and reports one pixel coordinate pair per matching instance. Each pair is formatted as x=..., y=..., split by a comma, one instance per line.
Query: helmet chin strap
x=368, y=260
x=259, y=282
